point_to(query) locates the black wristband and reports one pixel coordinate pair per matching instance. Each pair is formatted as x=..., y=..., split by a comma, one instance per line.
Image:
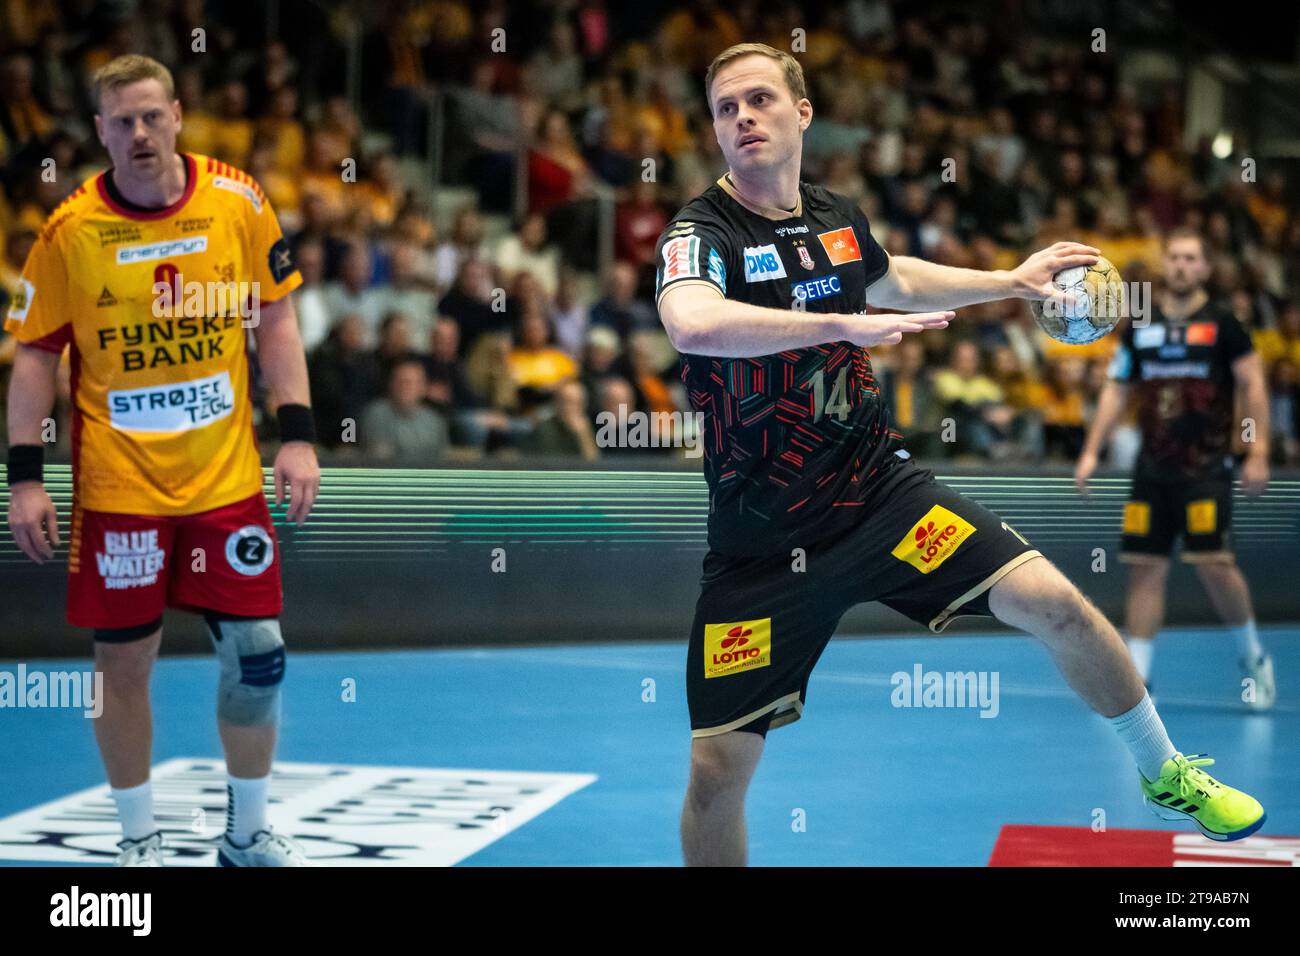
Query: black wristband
x=296, y=423
x=26, y=463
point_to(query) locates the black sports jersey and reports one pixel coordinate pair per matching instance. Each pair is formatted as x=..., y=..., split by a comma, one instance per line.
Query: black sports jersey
x=795, y=441
x=1182, y=374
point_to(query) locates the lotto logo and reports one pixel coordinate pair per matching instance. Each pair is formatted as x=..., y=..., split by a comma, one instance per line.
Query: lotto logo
x=933, y=539
x=1202, y=516
x=731, y=648
x=1137, y=518
x=762, y=263
x=841, y=245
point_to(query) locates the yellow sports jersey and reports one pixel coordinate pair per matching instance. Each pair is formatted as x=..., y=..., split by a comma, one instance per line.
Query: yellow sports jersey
x=154, y=304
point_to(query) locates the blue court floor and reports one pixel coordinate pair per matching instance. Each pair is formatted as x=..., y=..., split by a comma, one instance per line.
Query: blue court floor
x=871, y=783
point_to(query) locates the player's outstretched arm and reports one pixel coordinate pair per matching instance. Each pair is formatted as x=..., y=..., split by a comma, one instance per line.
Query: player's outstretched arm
x=32, y=518
x=913, y=283
x=279, y=349
x=701, y=322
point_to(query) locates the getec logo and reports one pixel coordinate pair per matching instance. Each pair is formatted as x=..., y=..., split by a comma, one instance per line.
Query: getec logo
x=735, y=647
x=817, y=288
x=161, y=250
x=933, y=539
x=762, y=263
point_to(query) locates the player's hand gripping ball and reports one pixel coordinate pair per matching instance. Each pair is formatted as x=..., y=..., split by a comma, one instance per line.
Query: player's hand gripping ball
x=1098, y=304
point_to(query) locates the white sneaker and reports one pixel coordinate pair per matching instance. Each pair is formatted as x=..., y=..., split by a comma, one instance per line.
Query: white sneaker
x=145, y=852
x=1261, y=672
x=267, y=849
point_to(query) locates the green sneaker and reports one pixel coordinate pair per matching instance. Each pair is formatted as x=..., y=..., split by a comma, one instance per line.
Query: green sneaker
x=1184, y=791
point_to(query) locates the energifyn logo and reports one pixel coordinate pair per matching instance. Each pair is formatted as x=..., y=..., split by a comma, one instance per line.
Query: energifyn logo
x=161, y=250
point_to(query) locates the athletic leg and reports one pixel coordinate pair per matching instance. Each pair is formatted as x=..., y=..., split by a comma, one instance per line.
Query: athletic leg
x=1230, y=594
x=1145, y=609
x=1228, y=591
x=238, y=593
x=124, y=731
x=713, y=817
x=1036, y=597
x=250, y=652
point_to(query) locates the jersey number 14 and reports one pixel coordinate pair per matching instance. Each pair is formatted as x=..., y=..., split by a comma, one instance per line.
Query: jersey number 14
x=839, y=404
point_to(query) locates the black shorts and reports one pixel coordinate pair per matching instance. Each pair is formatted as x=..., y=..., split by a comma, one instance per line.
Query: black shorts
x=1160, y=511
x=761, y=623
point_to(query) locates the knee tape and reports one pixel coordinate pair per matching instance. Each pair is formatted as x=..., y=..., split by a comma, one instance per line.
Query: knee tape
x=251, y=654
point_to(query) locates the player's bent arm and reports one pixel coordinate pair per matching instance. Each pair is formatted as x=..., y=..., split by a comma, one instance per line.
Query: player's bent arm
x=912, y=283
x=1249, y=373
x=1110, y=408
x=700, y=321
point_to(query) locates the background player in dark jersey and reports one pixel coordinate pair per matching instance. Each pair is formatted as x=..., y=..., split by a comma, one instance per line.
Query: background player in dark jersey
x=814, y=504
x=1182, y=368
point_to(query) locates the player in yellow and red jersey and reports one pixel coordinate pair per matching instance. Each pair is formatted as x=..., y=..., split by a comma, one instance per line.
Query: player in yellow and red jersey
x=151, y=274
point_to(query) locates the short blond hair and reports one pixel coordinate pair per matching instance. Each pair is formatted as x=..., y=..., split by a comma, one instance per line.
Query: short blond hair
x=131, y=68
x=789, y=66
x=1186, y=232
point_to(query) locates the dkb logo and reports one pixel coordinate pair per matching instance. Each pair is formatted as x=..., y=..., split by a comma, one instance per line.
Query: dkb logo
x=762, y=263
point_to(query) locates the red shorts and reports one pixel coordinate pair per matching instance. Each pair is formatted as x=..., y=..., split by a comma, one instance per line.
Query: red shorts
x=124, y=569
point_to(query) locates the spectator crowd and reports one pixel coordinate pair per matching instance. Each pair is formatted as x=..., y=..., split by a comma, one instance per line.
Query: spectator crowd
x=473, y=317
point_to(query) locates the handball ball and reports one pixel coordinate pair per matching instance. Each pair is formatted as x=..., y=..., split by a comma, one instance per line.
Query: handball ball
x=1098, y=307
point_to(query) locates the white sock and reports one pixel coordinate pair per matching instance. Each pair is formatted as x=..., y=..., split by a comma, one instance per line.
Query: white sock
x=246, y=808
x=1142, y=650
x=1144, y=733
x=1248, y=646
x=135, y=810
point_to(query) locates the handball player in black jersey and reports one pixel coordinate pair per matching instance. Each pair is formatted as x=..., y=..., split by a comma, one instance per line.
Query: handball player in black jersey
x=814, y=502
x=1183, y=370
